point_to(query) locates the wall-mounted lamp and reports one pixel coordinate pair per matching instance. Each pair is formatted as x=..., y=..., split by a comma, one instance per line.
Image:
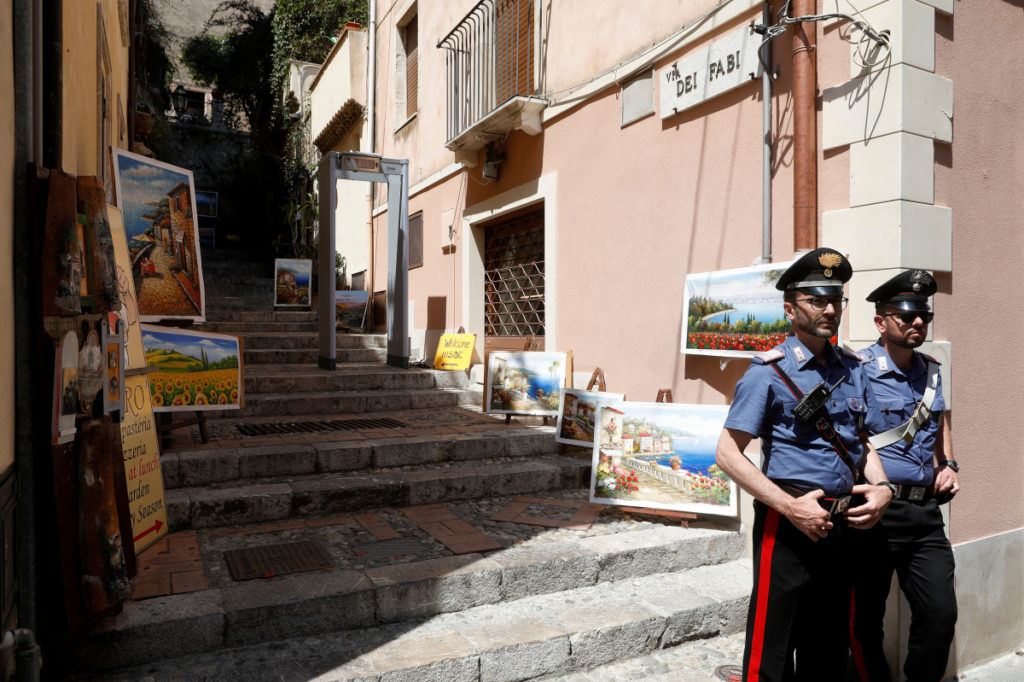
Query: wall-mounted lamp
x=179, y=99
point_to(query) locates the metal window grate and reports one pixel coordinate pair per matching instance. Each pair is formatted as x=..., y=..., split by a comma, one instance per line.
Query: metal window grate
x=273, y=428
x=514, y=277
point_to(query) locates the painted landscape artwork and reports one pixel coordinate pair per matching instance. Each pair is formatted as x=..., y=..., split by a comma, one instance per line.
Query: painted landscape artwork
x=527, y=382
x=661, y=456
x=194, y=370
x=577, y=415
x=734, y=312
x=157, y=201
x=291, y=281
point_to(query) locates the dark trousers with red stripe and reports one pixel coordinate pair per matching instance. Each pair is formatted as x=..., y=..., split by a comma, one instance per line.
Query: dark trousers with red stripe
x=798, y=620
x=910, y=541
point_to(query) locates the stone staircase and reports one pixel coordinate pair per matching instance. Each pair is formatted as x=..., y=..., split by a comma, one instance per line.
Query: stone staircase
x=458, y=547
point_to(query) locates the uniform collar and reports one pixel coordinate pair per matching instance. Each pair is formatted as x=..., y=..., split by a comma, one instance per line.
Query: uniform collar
x=802, y=355
x=884, y=364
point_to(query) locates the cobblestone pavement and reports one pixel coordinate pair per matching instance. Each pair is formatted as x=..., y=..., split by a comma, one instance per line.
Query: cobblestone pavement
x=161, y=293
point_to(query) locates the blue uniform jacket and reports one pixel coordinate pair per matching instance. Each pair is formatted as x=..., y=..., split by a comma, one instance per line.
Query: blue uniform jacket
x=898, y=394
x=794, y=452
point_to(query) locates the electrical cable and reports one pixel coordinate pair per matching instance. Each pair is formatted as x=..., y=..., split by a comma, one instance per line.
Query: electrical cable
x=869, y=33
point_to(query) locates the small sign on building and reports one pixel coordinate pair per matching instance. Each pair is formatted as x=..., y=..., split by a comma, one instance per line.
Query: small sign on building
x=711, y=71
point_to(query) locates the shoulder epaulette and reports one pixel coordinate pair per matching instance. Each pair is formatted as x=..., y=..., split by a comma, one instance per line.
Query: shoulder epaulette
x=769, y=356
x=850, y=354
x=929, y=358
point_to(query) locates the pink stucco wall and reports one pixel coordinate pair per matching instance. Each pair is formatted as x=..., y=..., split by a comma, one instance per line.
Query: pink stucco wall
x=981, y=176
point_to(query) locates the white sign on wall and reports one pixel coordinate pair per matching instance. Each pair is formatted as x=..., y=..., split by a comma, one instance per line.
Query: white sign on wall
x=716, y=69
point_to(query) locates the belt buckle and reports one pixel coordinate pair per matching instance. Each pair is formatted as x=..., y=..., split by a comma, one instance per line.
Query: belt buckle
x=917, y=493
x=836, y=505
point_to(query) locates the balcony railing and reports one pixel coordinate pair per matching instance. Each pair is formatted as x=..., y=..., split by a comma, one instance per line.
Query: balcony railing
x=491, y=58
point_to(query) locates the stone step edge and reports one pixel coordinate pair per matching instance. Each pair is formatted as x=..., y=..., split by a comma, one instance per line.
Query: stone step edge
x=538, y=634
x=204, y=466
x=320, y=494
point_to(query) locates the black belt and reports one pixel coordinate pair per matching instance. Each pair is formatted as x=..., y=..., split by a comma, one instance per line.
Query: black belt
x=913, y=493
x=833, y=504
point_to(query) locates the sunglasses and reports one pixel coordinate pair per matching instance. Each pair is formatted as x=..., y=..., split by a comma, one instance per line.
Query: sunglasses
x=908, y=318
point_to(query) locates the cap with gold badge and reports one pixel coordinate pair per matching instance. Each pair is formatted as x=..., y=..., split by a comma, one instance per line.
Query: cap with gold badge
x=821, y=272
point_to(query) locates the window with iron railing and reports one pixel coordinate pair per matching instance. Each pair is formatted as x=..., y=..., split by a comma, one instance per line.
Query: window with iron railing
x=490, y=58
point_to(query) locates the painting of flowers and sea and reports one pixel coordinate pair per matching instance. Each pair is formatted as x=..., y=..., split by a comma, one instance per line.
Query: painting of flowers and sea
x=193, y=370
x=526, y=382
x=735, y=313
x=661, y=456
x=291, y=281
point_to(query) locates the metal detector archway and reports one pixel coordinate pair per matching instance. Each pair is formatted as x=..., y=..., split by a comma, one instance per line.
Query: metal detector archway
x=336, y=166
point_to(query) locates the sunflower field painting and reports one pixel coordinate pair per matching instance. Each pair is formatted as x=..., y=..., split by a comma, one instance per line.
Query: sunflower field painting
x=192, y=370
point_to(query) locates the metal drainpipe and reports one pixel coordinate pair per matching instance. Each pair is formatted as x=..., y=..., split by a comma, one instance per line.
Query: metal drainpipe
x=805, y=131
x=766, y=150
x=371, y=122
x=27, y=52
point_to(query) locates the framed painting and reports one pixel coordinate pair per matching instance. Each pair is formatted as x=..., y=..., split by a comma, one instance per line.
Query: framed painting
x=206, y=204
x=524, y=382
x=350, y=308
x=577, y=415
x=661, y=456
x=157, y=202
x=192, y=370
x=292, y=278
x=734, y=313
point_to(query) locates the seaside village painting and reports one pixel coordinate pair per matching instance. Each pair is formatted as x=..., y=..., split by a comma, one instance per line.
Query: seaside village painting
x=158, y=204
x=291, y=281
x=734, y=312
x=578, y=415
x=525, y=383
x=662, y=456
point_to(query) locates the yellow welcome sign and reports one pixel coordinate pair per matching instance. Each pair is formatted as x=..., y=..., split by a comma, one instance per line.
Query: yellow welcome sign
x=454, y=351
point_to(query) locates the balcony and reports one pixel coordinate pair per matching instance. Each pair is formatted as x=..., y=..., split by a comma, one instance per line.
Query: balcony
x=491, y=73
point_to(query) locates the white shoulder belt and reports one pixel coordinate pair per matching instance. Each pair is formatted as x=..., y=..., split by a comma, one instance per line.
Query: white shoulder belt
x=908, y=430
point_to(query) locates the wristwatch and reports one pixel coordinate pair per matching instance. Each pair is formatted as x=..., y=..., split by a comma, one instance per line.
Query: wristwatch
x=891, y=486
x=951, y=463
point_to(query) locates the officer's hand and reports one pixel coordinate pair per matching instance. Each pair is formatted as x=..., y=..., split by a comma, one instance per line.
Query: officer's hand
x=946, y=482
x=807, y=515
x=876, y=499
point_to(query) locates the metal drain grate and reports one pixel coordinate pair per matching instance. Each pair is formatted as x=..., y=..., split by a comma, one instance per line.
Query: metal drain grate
x=279, y=559
x=273, y=428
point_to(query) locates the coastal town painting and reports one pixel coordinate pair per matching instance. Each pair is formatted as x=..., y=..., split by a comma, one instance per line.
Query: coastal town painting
x=524, y=382
x=577, y=415
x=735, y=313
x=292, y=278
x=661, y=456
x=157, y=201
x=191, y=370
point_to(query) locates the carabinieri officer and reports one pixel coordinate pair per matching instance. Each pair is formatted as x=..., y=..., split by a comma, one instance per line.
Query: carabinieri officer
x=809, y=403
x=916, y=450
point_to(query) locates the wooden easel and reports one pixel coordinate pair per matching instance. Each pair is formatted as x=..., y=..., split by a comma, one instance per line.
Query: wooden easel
x=597, y=378
x=683, y=518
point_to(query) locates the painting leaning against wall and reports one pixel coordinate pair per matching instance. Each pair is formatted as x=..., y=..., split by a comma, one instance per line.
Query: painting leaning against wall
x=157, y=201
x=662, y=456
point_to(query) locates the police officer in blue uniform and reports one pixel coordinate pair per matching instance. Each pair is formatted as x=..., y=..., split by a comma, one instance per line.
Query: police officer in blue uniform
x=809, y=403
x=916, y=451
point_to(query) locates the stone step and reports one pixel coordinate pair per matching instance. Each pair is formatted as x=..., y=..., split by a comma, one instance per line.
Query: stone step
x=306, y=356
x=332, y=402
x=537, y=608
x=291, y=339
x=241, y=304
x=351, y=377
x=710, y=659
x=241, y=285
x=308, y=495
x=255, y=316
x=202, y=467
x=238, y=327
